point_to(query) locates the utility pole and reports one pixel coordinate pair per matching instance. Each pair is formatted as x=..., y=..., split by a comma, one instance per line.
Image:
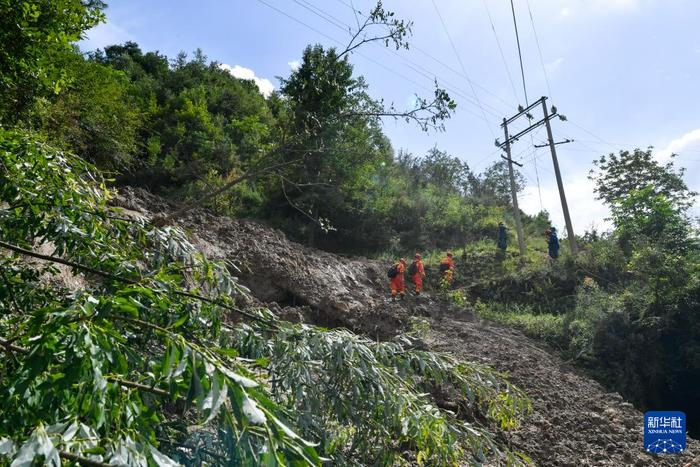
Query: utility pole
x=552, y=145
x=514, y=193
x=564, y=205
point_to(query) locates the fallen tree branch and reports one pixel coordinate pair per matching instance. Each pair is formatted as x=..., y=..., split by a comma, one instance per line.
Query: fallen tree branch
x=126, y=280
x=160, y=221
x=139, y=386
x=9, y=346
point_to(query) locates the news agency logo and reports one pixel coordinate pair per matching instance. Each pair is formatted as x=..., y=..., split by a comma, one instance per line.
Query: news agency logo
x=664, y=432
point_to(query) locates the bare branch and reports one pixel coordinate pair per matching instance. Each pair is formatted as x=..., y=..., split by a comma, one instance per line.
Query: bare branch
x=394, y=30
x=427, y=113
x=169, y=218
x=126, y=280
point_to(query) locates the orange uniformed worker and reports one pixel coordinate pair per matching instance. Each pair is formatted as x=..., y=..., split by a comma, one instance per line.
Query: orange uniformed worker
x=447, y=269
x=398, y=287
x=417, y=273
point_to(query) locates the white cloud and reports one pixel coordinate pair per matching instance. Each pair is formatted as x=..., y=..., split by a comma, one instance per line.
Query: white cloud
x=585, y=210
x=294, y=65
x=566, y=11
x=264, y=85
x=104, y=34
x=679, y=144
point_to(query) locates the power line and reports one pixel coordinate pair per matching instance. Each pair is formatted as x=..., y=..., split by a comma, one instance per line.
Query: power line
x=319, y=12
x=447, y=66
x=520, y=55
x=342, y=26
x=592, y=134
x=459, y=59
x=539, y=49
x=379, y=64
x=537, y=173
x=527, y=102
x=500, y=49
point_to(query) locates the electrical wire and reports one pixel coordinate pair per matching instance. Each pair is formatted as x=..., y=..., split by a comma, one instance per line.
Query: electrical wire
x=520, y=55
x=342, y=26
x=500, y=49
x=459, y=60
x=377, y=63
x=509, y=105
x=539, y=50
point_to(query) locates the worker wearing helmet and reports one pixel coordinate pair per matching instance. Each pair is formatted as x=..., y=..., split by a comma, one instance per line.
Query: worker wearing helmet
x=417, y=272
x=398, y=287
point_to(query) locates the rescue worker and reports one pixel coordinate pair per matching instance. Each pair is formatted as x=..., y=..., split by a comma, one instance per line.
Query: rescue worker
x=502, y=237
x=553, y=242
x=398, y=287
x=447, y=269
x=417, y=273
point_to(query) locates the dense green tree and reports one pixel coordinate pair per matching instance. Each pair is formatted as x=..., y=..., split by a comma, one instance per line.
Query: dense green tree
x=618, y=175
x=31, y=33
x=648, y=346
x=95, y=114
x=494, y=184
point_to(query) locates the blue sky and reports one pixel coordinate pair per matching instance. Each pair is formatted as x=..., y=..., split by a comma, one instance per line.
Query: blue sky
x=624, y=72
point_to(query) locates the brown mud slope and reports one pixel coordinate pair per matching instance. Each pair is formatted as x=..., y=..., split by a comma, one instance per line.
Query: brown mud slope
x=575, y=421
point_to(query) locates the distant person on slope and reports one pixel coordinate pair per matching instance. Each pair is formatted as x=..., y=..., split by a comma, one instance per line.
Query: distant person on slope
x=502, y=237
x=416, y=272
x=553, y=242
x=395, y=273
x=447, y=269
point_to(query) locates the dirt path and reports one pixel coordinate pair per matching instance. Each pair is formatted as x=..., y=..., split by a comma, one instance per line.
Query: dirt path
x=575, y=421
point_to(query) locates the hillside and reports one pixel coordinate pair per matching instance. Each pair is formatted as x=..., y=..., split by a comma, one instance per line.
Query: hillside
x=574, y=422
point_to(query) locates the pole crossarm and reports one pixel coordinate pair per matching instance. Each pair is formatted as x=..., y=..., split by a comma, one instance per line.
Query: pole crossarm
x=524, y=111
x=506, y=146
x=511, y=160
x=556, y=144
x=527, y=130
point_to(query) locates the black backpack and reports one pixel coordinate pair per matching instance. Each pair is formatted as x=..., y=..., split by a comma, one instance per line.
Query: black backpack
x=444, y=267
x=413, y=269
x=392, y=272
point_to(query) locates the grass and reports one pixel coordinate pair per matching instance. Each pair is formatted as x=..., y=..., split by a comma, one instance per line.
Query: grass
x=545, y=327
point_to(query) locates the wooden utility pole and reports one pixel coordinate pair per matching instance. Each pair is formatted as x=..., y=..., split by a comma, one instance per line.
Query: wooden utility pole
x=514, y=194
x=562, y=196
x=552, y=145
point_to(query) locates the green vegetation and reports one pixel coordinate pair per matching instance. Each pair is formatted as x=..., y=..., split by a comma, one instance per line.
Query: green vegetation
x=626, y=307
x=324, y=172
x=124, y=345
x=149, y=358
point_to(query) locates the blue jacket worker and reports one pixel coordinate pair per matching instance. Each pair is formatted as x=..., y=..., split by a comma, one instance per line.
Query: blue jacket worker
x=553, y=242
x=502, y=237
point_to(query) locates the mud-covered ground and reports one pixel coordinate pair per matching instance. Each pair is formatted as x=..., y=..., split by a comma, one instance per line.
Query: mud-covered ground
x=575, y=421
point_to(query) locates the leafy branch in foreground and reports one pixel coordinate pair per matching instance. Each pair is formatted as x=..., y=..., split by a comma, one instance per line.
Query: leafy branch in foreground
x=142, y=364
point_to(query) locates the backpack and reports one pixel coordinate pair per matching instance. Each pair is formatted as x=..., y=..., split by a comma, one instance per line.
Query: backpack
x=392, y=272
x=444, y=267
x=413, y=269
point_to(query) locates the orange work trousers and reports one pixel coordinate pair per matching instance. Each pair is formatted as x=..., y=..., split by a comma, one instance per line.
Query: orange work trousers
x=418, y=280
x=397, y=285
